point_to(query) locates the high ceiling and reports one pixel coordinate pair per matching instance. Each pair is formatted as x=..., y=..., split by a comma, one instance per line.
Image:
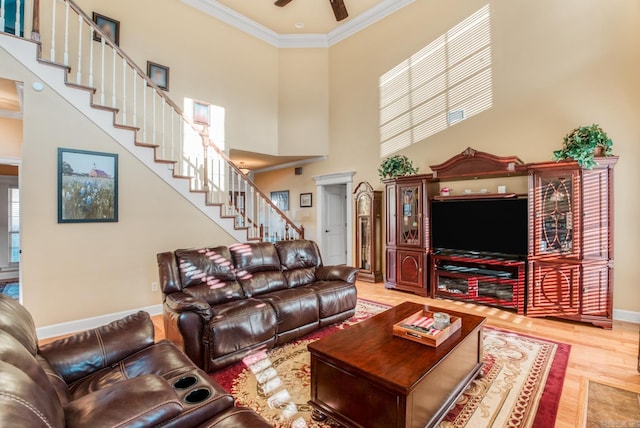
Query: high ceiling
x=316, y=16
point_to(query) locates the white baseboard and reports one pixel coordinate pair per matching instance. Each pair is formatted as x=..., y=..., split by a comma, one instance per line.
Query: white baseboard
x=89, y=323
x=624, y=315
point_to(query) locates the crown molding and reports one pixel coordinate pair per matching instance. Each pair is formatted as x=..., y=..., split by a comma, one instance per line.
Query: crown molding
x=253, y=28
x=235, y=19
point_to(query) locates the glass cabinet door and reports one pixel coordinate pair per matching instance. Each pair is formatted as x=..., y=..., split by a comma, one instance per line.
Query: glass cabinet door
x=410, y=230
x=556, y=210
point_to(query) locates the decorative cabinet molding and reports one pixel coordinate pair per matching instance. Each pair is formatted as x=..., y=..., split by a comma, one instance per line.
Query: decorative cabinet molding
x=570, y=239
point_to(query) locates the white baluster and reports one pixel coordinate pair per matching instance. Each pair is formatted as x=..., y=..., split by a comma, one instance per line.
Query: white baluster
x=65, y=58
x=17, y=18
x=124, y=91
x=144, y=113
x=102, y=77
x=173, y=133
x=1, y=16
x=113, y=78
x=153, y=120
x=91, y=33
x=79, y=72
x=163, y=130
x=135, y=98
x=53, y=33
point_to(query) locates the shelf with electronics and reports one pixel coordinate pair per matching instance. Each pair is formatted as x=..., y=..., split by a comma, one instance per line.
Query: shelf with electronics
x=542, y=248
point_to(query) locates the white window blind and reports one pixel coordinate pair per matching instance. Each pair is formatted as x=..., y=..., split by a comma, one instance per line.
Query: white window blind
x=14, y=225
x=444, y=83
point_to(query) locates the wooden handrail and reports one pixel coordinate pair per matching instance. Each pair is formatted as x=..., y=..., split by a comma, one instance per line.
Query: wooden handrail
x=197, y=128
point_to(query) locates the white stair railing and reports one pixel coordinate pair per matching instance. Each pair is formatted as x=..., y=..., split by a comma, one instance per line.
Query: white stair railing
x=95, y=63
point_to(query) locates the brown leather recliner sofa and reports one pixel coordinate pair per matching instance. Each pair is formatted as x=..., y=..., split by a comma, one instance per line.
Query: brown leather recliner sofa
x=224, y=303
x=112, y=376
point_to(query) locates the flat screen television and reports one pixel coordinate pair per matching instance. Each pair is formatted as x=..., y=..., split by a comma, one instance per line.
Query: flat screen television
x=480, y=225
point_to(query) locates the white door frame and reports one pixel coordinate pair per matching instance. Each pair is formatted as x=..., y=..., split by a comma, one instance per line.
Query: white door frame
x=327, y=180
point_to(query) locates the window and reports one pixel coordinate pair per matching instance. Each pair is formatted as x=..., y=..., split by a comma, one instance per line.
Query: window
x=14, y=225
x=447, y=81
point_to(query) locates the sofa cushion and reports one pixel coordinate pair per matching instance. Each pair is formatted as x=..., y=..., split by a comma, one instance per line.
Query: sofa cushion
x=17, y=321
x=334, y=297
x=161, y=358
x=258, y=268
x=294, y=307
x=299, y=259
x=209, y=274
x=24, y=404
x=239, y=325
x=144, y=401
x=81, y=354
x=255, y=257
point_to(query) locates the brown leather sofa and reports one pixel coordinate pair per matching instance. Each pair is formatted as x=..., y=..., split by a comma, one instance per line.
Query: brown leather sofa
x=224, y=303
x=112, y=376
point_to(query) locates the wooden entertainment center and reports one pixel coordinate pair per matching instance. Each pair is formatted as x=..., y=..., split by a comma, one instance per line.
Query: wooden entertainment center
x=566, y=267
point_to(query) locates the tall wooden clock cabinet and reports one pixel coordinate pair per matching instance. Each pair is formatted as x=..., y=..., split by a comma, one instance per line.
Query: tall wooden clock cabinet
x=368, y=232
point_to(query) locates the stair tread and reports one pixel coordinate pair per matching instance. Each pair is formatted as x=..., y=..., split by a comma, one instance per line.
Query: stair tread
x=82, y=87
x=53, y=63
x=129, y=127
x=106, y=108
x=165, y=161
x=153, y=146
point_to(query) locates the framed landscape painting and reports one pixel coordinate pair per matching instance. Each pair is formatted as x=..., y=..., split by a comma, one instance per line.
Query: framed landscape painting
x=87, y=186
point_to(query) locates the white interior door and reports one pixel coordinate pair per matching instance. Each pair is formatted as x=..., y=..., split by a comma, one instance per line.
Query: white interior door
x=335, y=225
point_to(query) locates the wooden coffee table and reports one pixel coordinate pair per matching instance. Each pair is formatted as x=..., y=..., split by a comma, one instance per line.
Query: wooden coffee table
x=364, y=376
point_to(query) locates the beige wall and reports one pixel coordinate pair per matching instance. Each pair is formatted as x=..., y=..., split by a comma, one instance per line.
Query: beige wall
x=208, y=60
x=75, y=271
x=556, y=65
x=10, y=138
x=303, y=102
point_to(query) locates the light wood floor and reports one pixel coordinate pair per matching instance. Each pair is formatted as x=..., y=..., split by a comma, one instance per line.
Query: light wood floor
x=608, y=356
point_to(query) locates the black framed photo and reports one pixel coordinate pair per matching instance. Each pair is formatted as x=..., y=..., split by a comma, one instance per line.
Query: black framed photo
x=159, y=74
x=201, y=113
x=306, y=200
x=110, y=27
x=281, y=199
x=87, y=186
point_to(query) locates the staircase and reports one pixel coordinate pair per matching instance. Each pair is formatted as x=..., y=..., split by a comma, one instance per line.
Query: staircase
x=73, y=56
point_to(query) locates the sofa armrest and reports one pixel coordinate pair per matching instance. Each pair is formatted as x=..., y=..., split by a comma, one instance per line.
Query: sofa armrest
x=337, y=273
x=181, y=302
x=146, y=400
x=81, y=354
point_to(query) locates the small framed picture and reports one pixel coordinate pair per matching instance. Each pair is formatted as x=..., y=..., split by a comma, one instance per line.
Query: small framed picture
x=159, y=74
x=281, y=199
x=87, y=186
x=306, y=200
x=201, y=113
x=110, y=27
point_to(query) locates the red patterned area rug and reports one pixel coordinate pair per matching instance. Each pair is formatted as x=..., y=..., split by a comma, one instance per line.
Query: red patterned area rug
x=520, y=385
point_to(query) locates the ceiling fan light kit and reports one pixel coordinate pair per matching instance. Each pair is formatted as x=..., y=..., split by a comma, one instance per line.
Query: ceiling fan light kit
x=339, y=9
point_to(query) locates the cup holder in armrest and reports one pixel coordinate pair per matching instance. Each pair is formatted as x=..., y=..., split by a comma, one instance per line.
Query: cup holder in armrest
x=197, y=395
x=185, y=382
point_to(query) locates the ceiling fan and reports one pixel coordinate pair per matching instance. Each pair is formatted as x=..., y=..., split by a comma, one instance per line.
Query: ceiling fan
x=339, y=9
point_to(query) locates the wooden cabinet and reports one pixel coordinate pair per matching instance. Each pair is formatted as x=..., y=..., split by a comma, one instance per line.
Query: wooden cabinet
x=368, y=232
x=570, y=246
x=407, y=237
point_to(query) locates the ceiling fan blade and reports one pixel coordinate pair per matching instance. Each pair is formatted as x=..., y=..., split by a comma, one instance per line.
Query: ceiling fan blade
x=282, y=3
x=339, y=9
